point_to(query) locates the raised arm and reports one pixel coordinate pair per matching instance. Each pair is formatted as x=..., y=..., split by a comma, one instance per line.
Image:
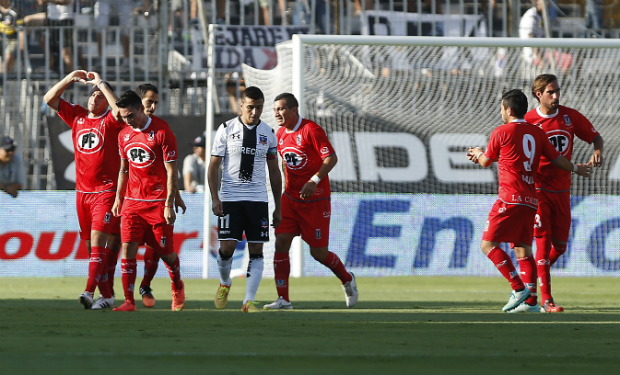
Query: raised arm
x=52, y=97
x=213, y=180
x=95, y=80
x=275, y=179
x=172, y=184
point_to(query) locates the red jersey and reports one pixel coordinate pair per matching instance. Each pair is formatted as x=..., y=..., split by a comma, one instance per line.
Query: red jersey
x=95, y=146
x=147, y=150
x=518, y=146
x=303, y=151
x=561, y=129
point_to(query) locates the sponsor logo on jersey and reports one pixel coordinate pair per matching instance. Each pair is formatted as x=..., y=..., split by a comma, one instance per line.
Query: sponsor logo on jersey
x=317, y=234
x=503, y=209
x=235, y=136
x=162, y=242
x=326, y=214
x=139, y=155
x=294, y=158
x=107, y=218
x=567, y=120
x=561, y=140
x=80, y=121
x=172, y=154
x=281, y=142
x=262, y=139
x=264, y=223
x=593, y=130
x=486, y=226
x=89, y=141
x=324, y=151
x=126, y=137
x=298, y=139
x=280, y=282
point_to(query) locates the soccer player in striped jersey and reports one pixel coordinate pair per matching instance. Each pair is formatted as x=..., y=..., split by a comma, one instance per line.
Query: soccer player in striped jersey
x=517, y=146
x=94, y=132
x=553, y=219
x=307, y=157
x=147, y=187
x=243, y=145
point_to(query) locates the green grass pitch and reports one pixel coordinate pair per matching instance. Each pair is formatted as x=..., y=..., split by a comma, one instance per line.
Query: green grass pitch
x=401, y=325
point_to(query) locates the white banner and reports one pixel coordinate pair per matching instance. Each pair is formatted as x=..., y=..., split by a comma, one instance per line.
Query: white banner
x=374, y=235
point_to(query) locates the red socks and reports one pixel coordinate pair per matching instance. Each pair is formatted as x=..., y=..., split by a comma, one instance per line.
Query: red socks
x=527, y=268
x=556, y=252
x=112, y=260
x=282, y=270
x=543, y=265
x=151, y=263
x=128, y=270
x=175, y=274
x=95, y=267
x=504, y=265
x=333, y=263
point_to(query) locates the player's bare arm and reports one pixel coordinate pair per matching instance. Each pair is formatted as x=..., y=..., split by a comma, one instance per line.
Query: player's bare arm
x=52, y=97
x=123, y=173
x=95, y=79
x=584, y=170
x=597, y=158
x=476, y=155
x=172, y=174
x=179, y=203
x=275, y=179
x=310, y=187
x=213, y=180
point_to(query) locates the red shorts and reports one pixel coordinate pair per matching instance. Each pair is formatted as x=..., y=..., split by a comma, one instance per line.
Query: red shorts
x=94, y=211
x=144, y=222
x=513, y=223
x=310, y=219
x=553, y=216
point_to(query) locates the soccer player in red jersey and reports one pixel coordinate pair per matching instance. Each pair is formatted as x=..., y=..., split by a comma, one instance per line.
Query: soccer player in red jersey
x=150, y=98
x=308, y=157
x=95, y=132
x=517, y=146
x=147, y=186
x=553, y=219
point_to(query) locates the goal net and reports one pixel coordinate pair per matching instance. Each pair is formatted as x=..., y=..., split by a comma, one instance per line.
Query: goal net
x=403, y=115
x=401, y=112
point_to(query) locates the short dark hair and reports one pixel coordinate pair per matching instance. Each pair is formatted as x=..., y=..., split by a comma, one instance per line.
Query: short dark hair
x=129, y=99
x=253, y=93
x=516, y=100
x=289, y=98
x=144, y=88
x=541, y=82
x=96, y=88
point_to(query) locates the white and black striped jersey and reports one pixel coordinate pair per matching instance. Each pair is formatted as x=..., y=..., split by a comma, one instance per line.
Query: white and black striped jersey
x=245, y=150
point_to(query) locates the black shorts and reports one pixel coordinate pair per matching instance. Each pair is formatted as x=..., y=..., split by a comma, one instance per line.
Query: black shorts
x=251, y=217
x=55, y=34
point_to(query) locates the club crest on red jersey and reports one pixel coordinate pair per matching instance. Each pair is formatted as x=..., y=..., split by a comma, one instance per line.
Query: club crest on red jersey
x=294, y=158
x=89, y=141
x=80, y=121
x=139, y=155
x=126, y=137
x=561, y=140
x=567, y=120
x=107, y=217
x=151, y=135
x=162, y=242
x=317, y=234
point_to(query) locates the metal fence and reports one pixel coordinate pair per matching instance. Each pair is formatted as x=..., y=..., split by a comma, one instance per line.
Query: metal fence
x=165, y=45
